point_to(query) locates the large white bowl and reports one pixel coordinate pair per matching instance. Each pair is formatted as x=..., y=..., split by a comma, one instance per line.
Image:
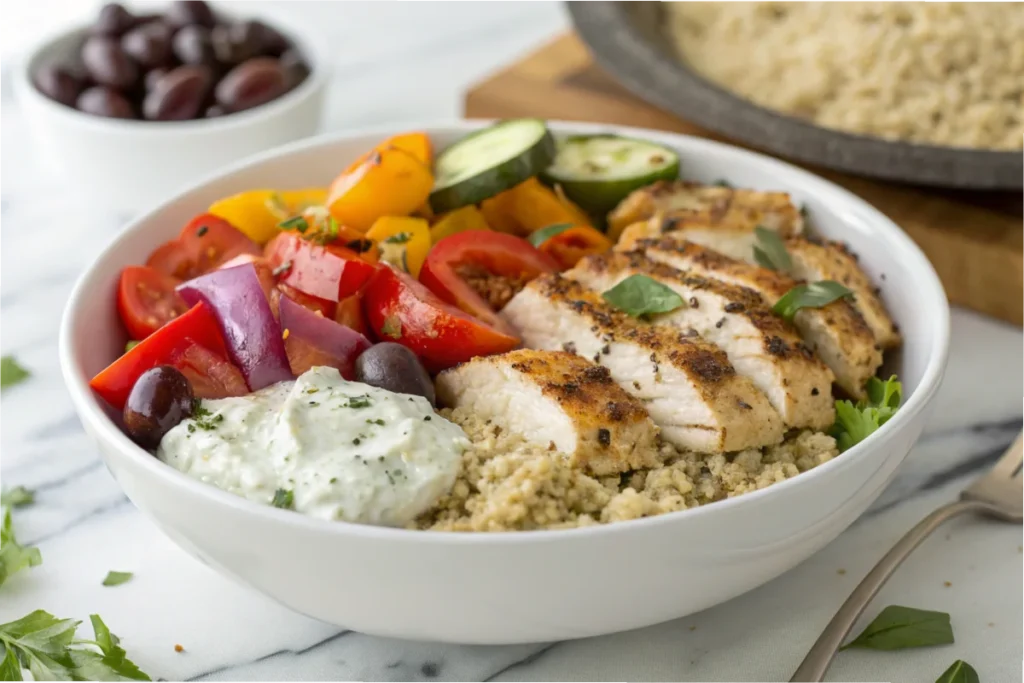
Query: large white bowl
x=131, y=165
x=529, y=586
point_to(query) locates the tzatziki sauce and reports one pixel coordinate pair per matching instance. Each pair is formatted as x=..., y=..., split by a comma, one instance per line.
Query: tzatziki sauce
x=323, y=446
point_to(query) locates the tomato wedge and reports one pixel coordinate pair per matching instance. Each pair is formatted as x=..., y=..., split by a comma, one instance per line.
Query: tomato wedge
x=331, y=272
x=192, y=342
x=506, y=256
x=403, y=310
x=205, y=244
x=146, y=300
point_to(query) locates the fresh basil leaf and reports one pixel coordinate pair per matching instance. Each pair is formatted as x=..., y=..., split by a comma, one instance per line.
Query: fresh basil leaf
x=117, y=578
x=855, y=422
x=639, y=295
x=11, y=372
x=18, y=497
x=810, y=295
x=10, y=667
x=284, y=499
x=770, y=251
x=539, y=237
x=959, y=672
x=13, y=556
x=898, y=628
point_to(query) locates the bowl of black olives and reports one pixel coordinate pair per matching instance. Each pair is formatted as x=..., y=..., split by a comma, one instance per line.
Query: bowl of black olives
x=137, y=105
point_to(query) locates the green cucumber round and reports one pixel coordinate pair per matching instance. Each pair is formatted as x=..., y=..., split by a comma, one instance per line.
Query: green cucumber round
x=490, y=161
x=598, y=171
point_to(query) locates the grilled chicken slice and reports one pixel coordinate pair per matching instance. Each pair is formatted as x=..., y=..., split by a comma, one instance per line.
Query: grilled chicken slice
x=558, y=400
x=837, y=333
x=759, y=344
x=687, y=385
x=834, y=261
x=703, y=212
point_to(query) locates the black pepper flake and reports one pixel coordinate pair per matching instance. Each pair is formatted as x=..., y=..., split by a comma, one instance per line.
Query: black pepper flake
x=597, y=357
x=604, y=437
x=743, y=404
x=356, y=442
x=426, y=418
x=654, y=357
x=606, y=349
x=569, y=347
x=636, y=385
x=202, y=231
x=720, y=323
x=814, y=391
x=691, y=333
x=694, y=303
x=733, y=307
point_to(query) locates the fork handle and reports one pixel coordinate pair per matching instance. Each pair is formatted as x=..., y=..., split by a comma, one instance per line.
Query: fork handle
x=820, y=656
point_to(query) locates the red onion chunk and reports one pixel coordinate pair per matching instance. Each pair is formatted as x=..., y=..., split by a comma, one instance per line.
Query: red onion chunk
x=312, y=340
x=252, y=334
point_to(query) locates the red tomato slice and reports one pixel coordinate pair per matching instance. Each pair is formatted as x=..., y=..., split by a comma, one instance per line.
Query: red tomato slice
x=205, y=243
x=146, y=300
x=172, y=345
x=349, y=312
x=499, y=253
x=330, y=272
x=401, y=309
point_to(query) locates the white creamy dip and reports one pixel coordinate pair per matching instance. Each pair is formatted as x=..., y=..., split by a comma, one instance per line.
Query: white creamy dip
x=324, y=446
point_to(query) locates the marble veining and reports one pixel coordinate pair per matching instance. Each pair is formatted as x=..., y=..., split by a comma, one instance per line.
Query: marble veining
x=396, y=62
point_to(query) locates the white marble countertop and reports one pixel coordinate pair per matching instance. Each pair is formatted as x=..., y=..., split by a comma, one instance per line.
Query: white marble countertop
x=85, y=526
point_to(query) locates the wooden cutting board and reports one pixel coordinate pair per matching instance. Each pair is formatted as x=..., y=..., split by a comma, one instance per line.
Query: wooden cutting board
x=974, y=239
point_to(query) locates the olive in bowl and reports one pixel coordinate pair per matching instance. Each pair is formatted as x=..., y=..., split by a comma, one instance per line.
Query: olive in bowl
x=393, y=367
x=160, y=399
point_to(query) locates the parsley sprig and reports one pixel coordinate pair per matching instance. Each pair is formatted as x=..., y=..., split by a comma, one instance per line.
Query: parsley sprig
x=13, y=556
x=855, y=422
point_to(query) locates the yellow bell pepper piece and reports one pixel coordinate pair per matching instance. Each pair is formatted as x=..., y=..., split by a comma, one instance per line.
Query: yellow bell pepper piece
x=386, y=182
x=459, y=220
x=403, y=241
x=530, y=206
x=257, y=212
x=497, y=211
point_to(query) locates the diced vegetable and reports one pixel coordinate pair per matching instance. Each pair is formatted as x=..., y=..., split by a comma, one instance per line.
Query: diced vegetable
x=264, y=271
x=530, y=206
x=570, y=243
x=402, y=241
x=257, y=212
x=490, y=161
x=146, y=300
x=252, y=335
x=311, y=340
x=349, y=312
x=204, y=244
x=415, y=143
x=191, y=340
x=497, y=212
x=598, y=171
x=389, y=182
x=511, y=261
x=321, y=306
x=402, y=310
x=330, y=272
x=459, y=220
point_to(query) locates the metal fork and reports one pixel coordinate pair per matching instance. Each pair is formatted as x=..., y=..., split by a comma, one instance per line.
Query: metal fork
x=997, y=494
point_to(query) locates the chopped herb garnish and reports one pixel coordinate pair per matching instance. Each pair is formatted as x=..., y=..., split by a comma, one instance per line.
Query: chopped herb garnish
x=313, y=403
x=539, y=237
x=47, y=647
x=312, y=390
x=377, y=421
x=18, y=497
x=130, y=345
x=356, y=441
x=856, y=422
x=398, y=238
x=358, y=401
x=426, y=418
x=959, y=672
x=898, y=628
x=284, y=499
x=11, y=372
x=770, y=251
x=283, y=268
x=202, y=231
x=117, y=578
x=297, y=223
x=392, y=327
x=811, y=295
x=640, y=296
x=333, y=480
x=13, y=556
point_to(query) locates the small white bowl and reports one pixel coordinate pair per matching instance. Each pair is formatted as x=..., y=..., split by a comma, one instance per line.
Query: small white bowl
x=129, y=165
x=526, y=586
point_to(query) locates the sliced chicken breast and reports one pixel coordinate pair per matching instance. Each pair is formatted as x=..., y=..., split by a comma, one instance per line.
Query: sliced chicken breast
x=703, y=211
x=759, y=344
x=814, y=260
x=560, y=401
x=687, y=385
x=837, y=333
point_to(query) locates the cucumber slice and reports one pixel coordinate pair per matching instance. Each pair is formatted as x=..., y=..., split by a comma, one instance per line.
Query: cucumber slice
x=490, y=161
x=598, y=171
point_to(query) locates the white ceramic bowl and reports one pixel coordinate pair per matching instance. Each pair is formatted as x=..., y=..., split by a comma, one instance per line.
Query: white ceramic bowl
x=130, y=165
x=528, y=586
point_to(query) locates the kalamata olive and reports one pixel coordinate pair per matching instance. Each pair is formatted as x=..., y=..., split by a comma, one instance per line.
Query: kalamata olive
x=393, y=367
x=192, y=46
x=295, y=68
x=272, y=43
x=107, y=63
x=113, y=20
x=153, y=76
x=179, y=95
x=213, y=111
x=161, y=398
x=103, y=101
x=190, y=12
x=149, y=45
x=235, y=43
x=58, y=83
x=250, y=84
